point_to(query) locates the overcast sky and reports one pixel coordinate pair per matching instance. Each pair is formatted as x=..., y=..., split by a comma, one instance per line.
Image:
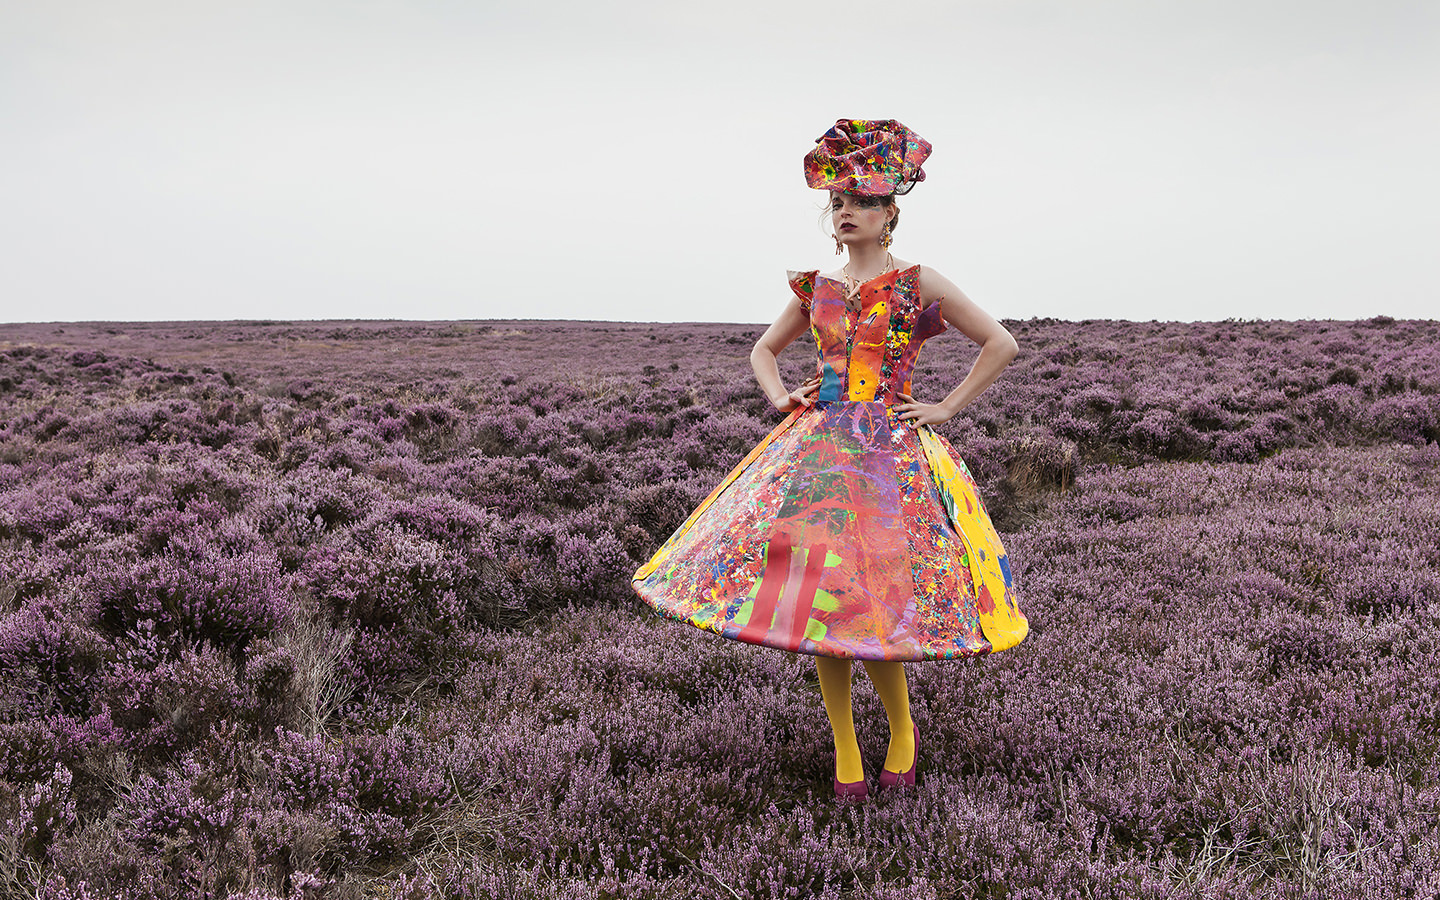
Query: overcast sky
x=439, y=159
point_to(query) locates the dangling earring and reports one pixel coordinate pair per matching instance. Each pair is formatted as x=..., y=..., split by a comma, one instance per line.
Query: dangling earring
x=885, y=237
x=839, y=247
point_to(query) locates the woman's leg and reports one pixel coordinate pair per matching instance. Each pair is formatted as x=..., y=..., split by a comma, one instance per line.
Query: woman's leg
x=835, y=689
x=889, y=680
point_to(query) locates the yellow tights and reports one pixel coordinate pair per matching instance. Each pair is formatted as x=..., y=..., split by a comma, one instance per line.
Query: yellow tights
x=889, y=681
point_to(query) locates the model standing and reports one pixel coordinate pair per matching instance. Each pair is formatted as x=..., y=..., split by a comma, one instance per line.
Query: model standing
x=854, y=531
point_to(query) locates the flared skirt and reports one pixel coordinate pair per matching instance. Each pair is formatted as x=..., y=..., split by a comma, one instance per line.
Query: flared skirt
x=845, y=533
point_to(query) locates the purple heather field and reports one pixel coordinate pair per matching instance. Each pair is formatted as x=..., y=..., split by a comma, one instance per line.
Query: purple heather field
x=342, y=610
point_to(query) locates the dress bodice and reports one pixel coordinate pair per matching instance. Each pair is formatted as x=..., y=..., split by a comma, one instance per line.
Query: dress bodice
x=869, y=352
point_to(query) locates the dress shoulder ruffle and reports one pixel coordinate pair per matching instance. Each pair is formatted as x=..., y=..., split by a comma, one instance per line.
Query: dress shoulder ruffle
x=803, y=284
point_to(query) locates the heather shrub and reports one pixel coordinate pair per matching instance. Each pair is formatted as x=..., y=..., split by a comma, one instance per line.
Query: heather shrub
x=196, y=830
x=366, y=773
x=1410, y=418
x=164, y=701
x=383, y=659
x=314, y=501
x=499, y=432
x=557, y=563
x=28, y=747
x=1162, y=433
x=661, y=507
x=431, y=564
x=728, y=437
x=51, y=662
x=226, y=601
x=1332, y=407
x=33, y=819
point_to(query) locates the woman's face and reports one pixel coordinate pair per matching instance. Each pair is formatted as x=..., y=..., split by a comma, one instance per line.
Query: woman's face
x=858, y=219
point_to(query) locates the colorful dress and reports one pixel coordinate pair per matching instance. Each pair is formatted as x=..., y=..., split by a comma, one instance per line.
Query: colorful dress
x=847, y=532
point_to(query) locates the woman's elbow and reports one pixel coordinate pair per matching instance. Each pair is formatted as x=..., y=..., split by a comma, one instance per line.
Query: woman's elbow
x=1005, y=345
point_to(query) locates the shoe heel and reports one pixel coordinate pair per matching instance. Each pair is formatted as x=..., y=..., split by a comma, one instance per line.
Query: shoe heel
x=889, y=779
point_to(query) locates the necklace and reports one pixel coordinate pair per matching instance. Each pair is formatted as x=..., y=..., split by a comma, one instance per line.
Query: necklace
x=853, y=284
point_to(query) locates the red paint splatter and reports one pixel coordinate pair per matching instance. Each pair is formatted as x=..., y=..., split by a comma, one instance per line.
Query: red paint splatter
x=986, y=601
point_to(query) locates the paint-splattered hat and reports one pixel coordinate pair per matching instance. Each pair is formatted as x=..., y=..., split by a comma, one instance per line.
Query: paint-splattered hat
x=863, y=156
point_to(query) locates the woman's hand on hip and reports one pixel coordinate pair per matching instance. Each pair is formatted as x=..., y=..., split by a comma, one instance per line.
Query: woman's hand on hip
x=916, y=413
x=804, y=395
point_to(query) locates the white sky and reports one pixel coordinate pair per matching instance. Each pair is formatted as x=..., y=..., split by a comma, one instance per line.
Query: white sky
x=439, y=159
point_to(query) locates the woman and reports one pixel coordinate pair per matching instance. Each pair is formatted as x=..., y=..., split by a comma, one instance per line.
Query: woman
x=853, y=531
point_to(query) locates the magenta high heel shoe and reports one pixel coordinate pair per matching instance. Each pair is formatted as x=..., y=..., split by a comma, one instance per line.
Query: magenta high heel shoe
x=852, y=790
x=889, y=779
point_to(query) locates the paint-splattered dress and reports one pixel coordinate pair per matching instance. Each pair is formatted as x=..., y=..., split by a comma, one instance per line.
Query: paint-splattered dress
x=846, y=532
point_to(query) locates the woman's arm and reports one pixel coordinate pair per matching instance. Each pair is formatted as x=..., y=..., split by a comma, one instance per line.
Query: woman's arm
x=997, y=349
x=792, y=323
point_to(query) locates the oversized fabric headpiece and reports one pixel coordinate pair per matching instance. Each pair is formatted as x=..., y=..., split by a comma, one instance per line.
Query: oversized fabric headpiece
x=863, y=156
